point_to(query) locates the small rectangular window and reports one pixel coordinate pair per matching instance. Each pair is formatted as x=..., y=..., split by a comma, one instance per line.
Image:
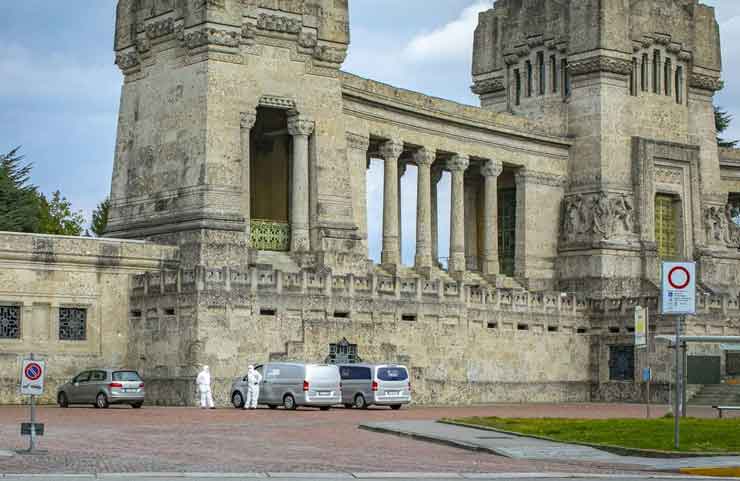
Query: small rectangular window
x=566, y=77
x=541, y=73
x=267, y=312
x=644, y=73
x=554, y=73
x=633, y=78
x=170, y=311
x=656, y=71
x=10, y=322
x=668, y=77
x=529, y=79
x=522, y=327
x=621, y=363
x=342, y=314
x=72, y=324
x=679, y=85
x=614, y=330
x=492, y=325
x=517, y=87
x=552, y=329
x=408, y=317
x=582, y=330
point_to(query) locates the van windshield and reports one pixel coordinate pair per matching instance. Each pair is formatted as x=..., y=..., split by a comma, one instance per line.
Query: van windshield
x=392, y=374
x=126, y=376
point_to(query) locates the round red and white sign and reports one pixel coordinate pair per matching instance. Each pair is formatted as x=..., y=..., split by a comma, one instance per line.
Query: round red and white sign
x=33, y=371
x=679, y=277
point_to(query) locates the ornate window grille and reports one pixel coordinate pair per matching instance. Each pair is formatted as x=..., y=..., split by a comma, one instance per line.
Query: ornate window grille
x=10, y=322
x=72, y=324
x=507, y=230
x=269, y=235
x=665, y=227
x=343, y=353
x=622, y=363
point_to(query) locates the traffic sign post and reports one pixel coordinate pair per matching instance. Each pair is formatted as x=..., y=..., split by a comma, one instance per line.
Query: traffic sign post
x=32, y=384
x=678, y=298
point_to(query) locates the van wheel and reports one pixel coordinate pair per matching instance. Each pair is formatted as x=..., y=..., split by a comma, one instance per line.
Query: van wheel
x=62, y=400
x=237, y=400
x=396, y=407
x=137, y=405
x=101, y=402
x=289, y=402
x=348, y=406
x=325, y=408
x=360, y=402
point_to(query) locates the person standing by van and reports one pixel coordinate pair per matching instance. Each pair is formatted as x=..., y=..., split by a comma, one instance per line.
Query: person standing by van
x=254, y=378
x=204, y=388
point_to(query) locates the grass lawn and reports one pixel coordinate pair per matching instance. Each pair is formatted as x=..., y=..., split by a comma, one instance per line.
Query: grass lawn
x=697, y=435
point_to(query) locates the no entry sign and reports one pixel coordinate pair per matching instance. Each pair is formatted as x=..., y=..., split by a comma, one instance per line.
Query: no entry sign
x=32, y=377
x=678, y=288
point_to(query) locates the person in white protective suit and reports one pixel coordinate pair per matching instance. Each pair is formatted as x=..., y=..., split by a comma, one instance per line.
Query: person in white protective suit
x=254, y=378
x=204, y=388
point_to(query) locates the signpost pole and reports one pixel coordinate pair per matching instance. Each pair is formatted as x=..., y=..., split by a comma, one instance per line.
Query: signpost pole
x=32, y=437
x=677, y=396
x=684, y=378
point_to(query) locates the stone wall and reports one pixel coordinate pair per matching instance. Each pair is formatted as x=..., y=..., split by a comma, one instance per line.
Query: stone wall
x=41, y=274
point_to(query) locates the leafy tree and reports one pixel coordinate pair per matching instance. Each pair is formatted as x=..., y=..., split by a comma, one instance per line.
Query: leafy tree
x=58, y=218
x=722, y=121
x=19, y=200
x=100, y=218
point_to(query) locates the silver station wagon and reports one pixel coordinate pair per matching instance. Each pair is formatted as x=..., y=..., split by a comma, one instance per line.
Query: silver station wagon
x=366, y=385
x=103, y=387
x=291, y=385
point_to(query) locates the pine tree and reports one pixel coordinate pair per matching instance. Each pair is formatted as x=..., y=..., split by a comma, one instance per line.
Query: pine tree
x=19, y=200
x=722, y=121
x=100, y=218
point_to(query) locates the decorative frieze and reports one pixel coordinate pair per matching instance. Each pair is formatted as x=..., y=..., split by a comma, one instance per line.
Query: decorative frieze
x=160, y=28
x=274, y=102
x=525, y=176
x=597, y=217
x=279, y=23
x=600, y=63
x=706, y=82
x=330, y=54
x=666, y=175
x=488, y=86
x=127, y=61
x=212, y=36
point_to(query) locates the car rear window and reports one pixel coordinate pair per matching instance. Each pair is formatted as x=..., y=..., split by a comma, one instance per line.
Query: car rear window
x=126, y=376
x=355, y=373
x=392, y=374
x=323, y=373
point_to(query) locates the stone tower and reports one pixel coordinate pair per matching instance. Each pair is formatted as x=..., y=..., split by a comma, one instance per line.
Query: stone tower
x=632, y=83
x=209, y=85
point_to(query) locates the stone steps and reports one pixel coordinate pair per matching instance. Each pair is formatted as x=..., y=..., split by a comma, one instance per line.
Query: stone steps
x=717, y=394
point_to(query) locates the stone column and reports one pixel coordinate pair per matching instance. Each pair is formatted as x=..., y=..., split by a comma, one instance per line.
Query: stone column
x=246, y=123
x=490, y=172
x=357, y=146
x=436, y=177
x=424, y=159
x=457, y=166
x=300, y=128
x=391, y=254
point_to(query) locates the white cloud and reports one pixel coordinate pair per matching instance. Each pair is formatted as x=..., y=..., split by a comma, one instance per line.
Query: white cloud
x=451, y=41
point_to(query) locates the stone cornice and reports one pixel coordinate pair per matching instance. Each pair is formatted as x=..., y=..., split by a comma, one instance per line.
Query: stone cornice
x=525, y=176
x=212, y=36
x=600, y=63
x=705, y=82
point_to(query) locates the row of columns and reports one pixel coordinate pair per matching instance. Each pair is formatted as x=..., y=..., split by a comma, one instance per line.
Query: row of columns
x=300, y=128
x=426, y=224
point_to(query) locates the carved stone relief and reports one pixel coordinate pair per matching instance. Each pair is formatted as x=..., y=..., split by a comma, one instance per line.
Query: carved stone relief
x=720, y=225
x=599, y=216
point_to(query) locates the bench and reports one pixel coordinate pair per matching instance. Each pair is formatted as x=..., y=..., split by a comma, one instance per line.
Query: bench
x=721, y=409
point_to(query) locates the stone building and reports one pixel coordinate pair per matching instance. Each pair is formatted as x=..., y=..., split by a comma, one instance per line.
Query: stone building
x=242, y=157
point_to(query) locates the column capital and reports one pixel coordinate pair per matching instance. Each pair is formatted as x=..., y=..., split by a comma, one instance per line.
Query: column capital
x=300, y=125
x=425, y=156
x=358, y=142
x=391, y=150
x=458, y=163
x=491, y=168
x=247, y=119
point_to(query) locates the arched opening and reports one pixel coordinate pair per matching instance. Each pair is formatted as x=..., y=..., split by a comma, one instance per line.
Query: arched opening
x=374, y=184
x=270, y=154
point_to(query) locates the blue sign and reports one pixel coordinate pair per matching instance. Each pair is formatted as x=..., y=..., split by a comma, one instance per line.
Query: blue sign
x=647, y=374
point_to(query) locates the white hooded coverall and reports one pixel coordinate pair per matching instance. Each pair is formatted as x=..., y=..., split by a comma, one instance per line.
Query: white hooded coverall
x=254, y=378
x=204, y=388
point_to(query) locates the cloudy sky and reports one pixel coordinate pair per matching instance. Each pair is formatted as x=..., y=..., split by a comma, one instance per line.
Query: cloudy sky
x=59, y=88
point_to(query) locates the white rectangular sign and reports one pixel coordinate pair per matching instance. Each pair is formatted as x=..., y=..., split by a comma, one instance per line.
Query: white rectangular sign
x=641, y=326
x=678, y=288
x=32, y=377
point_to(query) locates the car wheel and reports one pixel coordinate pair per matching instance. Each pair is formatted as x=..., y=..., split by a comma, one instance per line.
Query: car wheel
x=101, y=402
x=137, y=405
x=62, y=400
x=237, y=400
x=272, y=406
x=325, y=408
x=348, y=406
x=396, y=407
x=360, y=402
x=289, y=402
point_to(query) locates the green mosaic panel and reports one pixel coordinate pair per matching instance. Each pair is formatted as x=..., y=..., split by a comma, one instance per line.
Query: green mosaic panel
x=270, y=236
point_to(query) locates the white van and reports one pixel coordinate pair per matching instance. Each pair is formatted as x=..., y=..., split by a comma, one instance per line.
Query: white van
x=291, y=385
x=365, y=385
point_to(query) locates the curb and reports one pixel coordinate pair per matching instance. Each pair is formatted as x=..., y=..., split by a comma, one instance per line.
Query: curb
x=619, y=450
x=432, y=439
x=730, y=472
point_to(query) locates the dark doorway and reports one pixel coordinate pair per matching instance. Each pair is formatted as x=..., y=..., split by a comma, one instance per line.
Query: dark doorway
x=704, y=370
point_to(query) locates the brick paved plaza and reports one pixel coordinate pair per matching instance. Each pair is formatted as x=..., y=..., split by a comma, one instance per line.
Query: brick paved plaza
x=85, y=440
